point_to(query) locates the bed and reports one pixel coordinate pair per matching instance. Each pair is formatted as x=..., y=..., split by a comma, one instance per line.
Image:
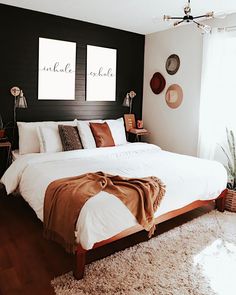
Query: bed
x=190, y=183
x=15, y=155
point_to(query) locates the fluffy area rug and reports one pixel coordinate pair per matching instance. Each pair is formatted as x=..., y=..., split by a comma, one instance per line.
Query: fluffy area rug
x=197, y=258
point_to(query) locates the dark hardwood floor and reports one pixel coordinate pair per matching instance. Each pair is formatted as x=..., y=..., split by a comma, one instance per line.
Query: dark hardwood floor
x=28, y=262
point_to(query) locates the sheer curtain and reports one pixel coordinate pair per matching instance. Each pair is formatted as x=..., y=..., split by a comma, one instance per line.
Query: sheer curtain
x=218, y=91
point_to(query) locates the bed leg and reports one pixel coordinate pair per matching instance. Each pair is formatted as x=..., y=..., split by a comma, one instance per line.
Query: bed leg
x=220, y=201
x=79, y=264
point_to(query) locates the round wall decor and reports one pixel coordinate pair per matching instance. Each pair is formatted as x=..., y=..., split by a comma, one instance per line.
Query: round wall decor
x=174, y=96
x=157, y=83
x=172, y=64
x=15, y=91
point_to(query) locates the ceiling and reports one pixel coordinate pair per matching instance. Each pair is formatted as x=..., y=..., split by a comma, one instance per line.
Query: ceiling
x=139, y=16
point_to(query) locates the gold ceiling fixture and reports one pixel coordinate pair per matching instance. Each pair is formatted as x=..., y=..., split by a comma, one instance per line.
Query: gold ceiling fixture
x=189, y=18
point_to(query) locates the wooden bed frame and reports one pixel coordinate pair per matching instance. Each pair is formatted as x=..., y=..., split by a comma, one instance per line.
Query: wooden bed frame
x=80, y=256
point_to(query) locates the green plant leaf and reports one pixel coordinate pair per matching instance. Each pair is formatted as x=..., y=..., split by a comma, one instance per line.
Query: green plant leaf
x=230, y=166
x=231, y=158
x=233, y=149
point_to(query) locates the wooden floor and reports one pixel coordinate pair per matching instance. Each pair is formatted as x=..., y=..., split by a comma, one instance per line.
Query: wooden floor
x=28, y=262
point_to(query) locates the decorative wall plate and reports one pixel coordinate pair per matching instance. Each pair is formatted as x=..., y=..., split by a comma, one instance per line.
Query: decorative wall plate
x=172, y=64
x=174, y=96
x=157, y=83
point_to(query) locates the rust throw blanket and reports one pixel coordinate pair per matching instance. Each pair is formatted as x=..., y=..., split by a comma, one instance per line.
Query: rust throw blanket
x=65, y=198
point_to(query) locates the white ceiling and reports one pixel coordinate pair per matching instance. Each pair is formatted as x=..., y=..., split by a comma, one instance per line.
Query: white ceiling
x=140, y=16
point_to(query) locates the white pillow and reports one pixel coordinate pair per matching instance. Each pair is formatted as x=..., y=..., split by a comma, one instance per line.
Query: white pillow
x=117, y=130
x=49, y=139
x=28, y=135
x=68, y=123
x=28, y=138
x=85, y=133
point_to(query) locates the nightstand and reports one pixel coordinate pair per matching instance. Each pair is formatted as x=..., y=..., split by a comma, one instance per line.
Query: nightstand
x=5, y=156
x=138, y=133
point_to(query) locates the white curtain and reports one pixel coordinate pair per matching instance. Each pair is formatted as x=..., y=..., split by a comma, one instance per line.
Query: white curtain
x=218, y=91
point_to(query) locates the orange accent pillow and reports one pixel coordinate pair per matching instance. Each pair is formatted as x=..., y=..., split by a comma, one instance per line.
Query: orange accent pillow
x=102, y=134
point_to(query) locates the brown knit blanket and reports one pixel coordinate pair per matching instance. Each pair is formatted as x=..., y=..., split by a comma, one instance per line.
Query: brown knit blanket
x=65, y=198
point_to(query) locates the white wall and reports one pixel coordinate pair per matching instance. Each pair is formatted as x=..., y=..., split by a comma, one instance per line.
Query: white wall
x=175, y=129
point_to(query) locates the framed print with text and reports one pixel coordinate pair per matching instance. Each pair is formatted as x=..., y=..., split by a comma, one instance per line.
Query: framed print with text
x=56, y=73
x=101, y=74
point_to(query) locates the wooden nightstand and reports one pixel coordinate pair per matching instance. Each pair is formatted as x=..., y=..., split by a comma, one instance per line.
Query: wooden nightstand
x=5, y=156
x=138, y=133
x=130, y=127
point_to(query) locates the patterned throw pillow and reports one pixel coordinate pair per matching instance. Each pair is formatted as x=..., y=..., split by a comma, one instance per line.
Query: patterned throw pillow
x=69, y=137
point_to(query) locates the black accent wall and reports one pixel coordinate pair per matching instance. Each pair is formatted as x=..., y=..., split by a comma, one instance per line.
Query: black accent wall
x=20, y=30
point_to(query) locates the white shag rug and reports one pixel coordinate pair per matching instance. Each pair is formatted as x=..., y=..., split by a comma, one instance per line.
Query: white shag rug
x=197, y=258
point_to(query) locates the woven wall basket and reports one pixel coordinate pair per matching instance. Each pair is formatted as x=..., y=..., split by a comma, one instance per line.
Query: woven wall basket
x=230, y=200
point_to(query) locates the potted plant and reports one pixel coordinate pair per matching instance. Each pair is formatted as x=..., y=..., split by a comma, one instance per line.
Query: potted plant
x=230, y=200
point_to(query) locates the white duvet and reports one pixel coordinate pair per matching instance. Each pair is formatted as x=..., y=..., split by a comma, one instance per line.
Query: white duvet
x=187, y=179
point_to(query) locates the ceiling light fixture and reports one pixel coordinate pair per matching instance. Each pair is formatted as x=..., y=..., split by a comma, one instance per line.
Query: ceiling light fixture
x=188, y=18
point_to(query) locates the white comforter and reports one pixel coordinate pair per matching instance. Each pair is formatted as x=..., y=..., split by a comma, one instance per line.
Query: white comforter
x=187, y=179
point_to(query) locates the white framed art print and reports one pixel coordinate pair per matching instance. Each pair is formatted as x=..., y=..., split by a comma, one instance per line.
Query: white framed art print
x=56, y=73
x=101, y=74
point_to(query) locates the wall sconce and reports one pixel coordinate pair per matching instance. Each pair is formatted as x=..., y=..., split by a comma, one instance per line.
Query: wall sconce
x=128, y=100
x=19, y=103
x=20, y=100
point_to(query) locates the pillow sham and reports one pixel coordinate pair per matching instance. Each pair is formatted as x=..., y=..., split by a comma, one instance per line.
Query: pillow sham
x=49, y=139
x=85, y=133
x=117, y=130
x=28, y=138
x=69, y=137
x=102, y=134
x=28, y=135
